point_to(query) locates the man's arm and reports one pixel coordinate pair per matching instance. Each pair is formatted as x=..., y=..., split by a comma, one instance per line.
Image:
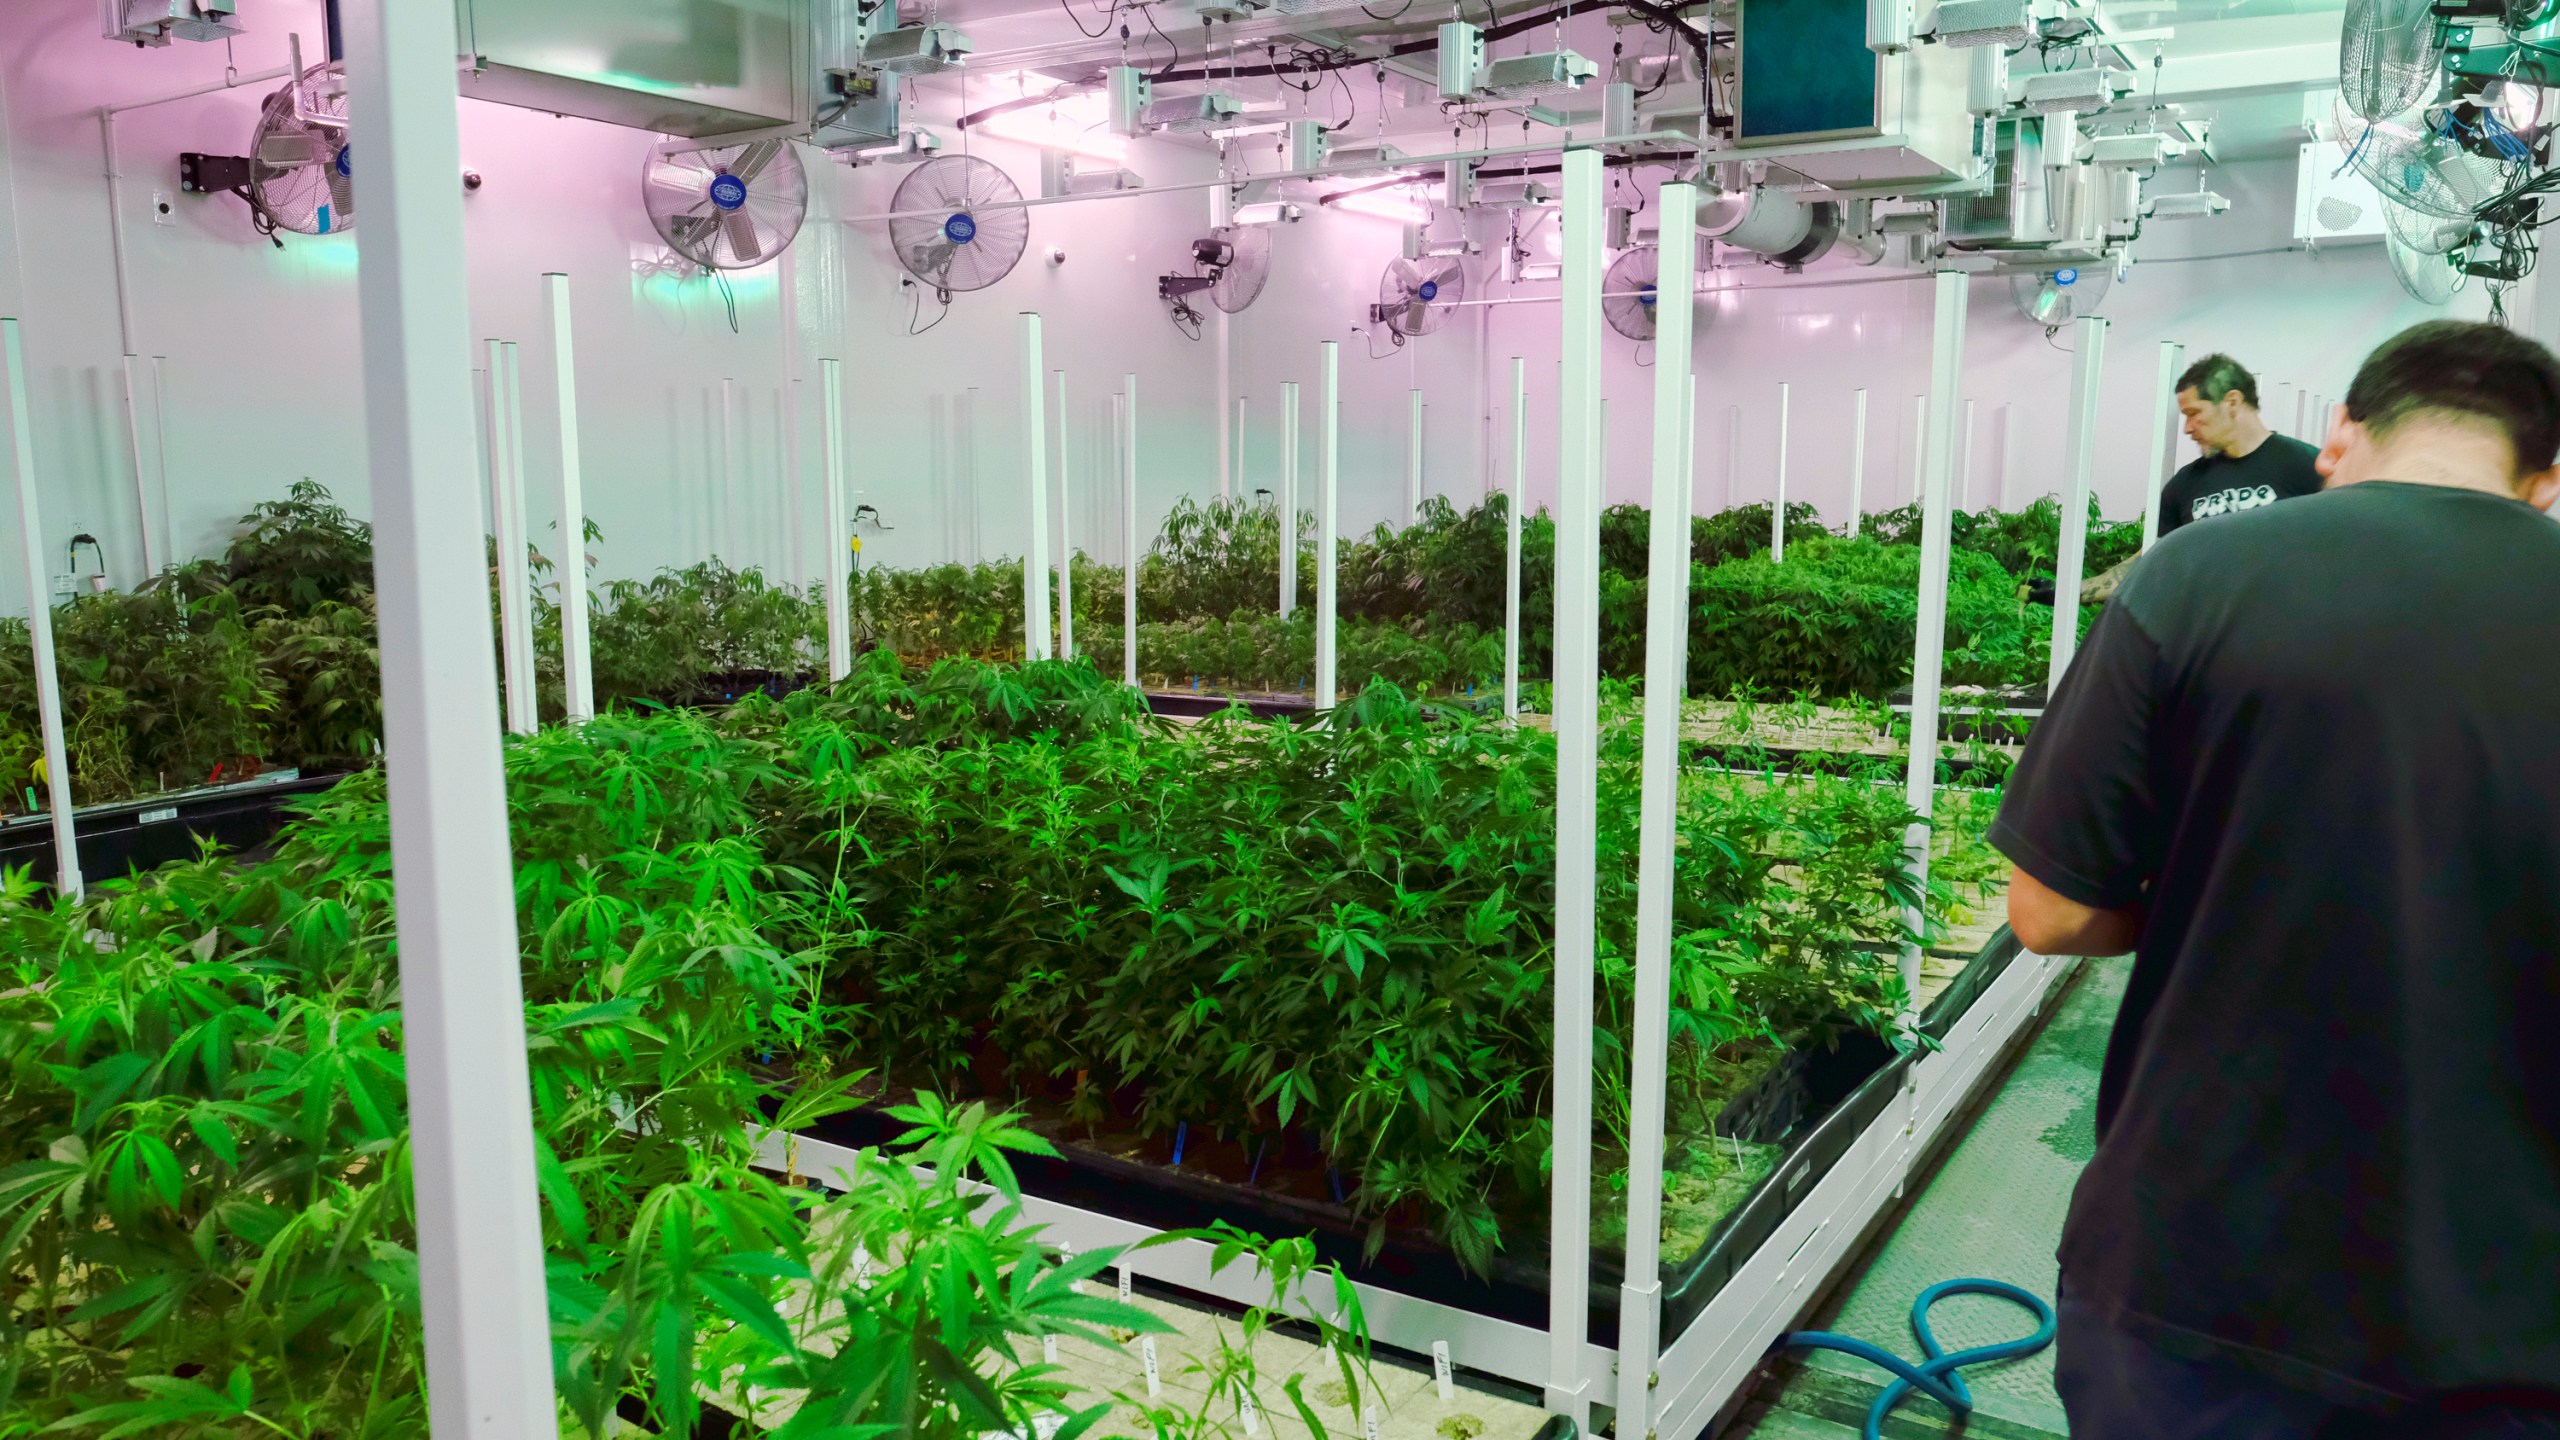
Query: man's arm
x=2050, y=923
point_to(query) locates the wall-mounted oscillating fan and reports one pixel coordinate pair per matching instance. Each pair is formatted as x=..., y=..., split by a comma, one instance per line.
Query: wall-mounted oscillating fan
x=1626, y=292
x=1243, y=267
x=2414, y=163
x=2389, y=56
x=2433, y=279
x=2427, y=234
x=725, y=207
x=1416, y=297
x=300, y=173
x=973, y=228
x=2055, y=298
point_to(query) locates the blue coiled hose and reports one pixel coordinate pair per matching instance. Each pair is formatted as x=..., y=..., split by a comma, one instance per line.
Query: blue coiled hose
x=1939, y=1376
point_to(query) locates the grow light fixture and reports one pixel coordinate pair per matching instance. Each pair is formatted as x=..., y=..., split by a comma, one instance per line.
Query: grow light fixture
x=1267, y=212
x=1523, y=77
x=1075, y=124
x=2006, y=23
x=1190, y=114
x=1364, y=160
x=1382, y=205
x=2081, y=91
x=2186, y=205
x=917, y=50
x=911, y=147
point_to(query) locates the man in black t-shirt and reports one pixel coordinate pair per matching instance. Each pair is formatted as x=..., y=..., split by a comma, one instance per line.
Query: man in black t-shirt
x=2306, y=768
x=2245, y=464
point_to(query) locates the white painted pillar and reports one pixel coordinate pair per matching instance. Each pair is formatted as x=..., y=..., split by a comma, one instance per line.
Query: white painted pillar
x=730, y=553
x=1778, y=513
x=506, y=512
x=1066, y=537
x=1328, y=512
x=480, y=1267
x=1413, y=460
x=1288, y=498
x=839, y=540
x=1666, y=683
x=1919, y=446
x=1035, y=457
x=1570, y=1390
x=1511, y=522
x=1946, y=376
x=2088, y=357
x=160, y=432
x=1243, y=484
x=22, y=464
x=1964, y=460
x=1858, y=464
x=1129, y=529
x=2164, y=423
x=577, y=669
x=1732, y=456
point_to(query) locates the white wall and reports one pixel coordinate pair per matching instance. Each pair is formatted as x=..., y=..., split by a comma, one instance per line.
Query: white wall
x=263, y=386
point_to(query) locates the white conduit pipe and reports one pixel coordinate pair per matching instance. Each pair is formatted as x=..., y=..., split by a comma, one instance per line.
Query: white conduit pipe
x=1946, y=375
x=1328, y=509
x=1858, y=464
x=1066, y=537
x=523, y=714
x=1288, y=498
x=1035, y=455
x=839, y=546
x=577, y=671
x=1778, y=513
x=2163, y=424
x=1129, y=529
x=1511, y=538
x=2089, y=351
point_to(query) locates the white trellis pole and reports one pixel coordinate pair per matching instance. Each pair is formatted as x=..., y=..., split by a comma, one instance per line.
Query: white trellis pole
x=1511, y=522
x=1035, y=455
x=2164, y=407
x=1066, y=537
x=1666, y=667
x=57, y=763
x=506, y=514
x=1778, y=514
x=1858, y=464
x=1946, y=375
x=577, y=670
x=1288, y=498
x=839, y=544
x=480, y=1272
x=1328, y=510
x=1413, y=460
x=2089, y=350
x=1129, y=529
x=1570, y=1389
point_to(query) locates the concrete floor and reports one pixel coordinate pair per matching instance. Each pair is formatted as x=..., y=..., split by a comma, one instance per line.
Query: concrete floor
x=1993, y=1209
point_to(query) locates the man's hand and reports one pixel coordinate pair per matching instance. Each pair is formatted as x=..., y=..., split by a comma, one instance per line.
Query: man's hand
x=2052, y=924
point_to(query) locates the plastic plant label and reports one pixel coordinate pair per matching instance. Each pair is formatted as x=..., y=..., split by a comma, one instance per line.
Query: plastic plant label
x=1049, y=1349
x=1249, y=1412
x=1124, y=1284
x=1441, y=1373
x=1369, y=1420
x=861, y=1268
x=1147, y=1357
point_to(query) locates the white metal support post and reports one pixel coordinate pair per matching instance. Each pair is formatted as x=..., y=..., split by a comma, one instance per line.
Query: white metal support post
x=839, y=547
x=1066, y=537
x=577, y=672
x=1511, y=538
x=1413, y=460
x=1946, y=375
x=2164, y=406
x=727, y=530
x=1243, y=490
x=1288, y=498
x=1778, y=513
x=1129, y=555
x=1919, y=446
x=480, y=1271
x=22, y=464
x=1328, y=502
x=1035, y=456
x=1666, y=672
x=1858, y=464
x=1964, y=459
x=506, y=522
x=2088, y=357
x=160, y=432
x=1569, y=1390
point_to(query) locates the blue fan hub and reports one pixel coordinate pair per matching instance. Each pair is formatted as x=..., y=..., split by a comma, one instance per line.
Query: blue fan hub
x=344, y=166
x=2066, y=277
x=728, y=191
x=1645, y=296
x=960, y=229
x=1430, y=291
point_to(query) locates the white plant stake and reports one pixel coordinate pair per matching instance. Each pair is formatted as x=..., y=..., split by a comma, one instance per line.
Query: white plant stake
x=1147, y=1357
x=1441, y=1374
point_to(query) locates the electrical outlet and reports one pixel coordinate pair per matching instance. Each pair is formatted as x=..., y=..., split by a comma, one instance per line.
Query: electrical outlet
x=164, y=208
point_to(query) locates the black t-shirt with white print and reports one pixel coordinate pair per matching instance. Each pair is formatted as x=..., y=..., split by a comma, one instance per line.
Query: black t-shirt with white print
x=2279, y=469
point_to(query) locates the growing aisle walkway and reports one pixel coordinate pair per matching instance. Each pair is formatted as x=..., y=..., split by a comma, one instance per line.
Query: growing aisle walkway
x=1993, y=1209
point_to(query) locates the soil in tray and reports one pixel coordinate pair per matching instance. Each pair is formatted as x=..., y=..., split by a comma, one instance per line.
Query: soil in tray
x=1280, y=1182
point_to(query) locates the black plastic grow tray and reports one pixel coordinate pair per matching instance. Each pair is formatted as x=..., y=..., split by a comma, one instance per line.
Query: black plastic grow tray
x=130, y=835
x=1843, y=1089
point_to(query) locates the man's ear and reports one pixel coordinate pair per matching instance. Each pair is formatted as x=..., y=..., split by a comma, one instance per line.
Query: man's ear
x=2344, y=435
x=2540, y=489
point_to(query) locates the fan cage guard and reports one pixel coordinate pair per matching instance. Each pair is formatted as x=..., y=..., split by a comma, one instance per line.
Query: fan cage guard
x=726, y=207
x=975, y=229
x=301, y=171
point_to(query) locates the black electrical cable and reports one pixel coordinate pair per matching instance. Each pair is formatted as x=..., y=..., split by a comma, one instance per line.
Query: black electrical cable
x=1416, y=47
x=1166, y=73
x=1069, y=7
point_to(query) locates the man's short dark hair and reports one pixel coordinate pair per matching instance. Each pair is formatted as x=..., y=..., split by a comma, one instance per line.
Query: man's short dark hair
x=2462, y=368
x=2218, y=375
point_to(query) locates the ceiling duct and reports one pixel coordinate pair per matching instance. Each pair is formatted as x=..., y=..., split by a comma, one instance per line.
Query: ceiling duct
x=661, y=65
x=1771, y=223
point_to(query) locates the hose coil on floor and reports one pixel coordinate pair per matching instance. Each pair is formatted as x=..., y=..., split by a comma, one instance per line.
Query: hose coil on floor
x=1939, y=1376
